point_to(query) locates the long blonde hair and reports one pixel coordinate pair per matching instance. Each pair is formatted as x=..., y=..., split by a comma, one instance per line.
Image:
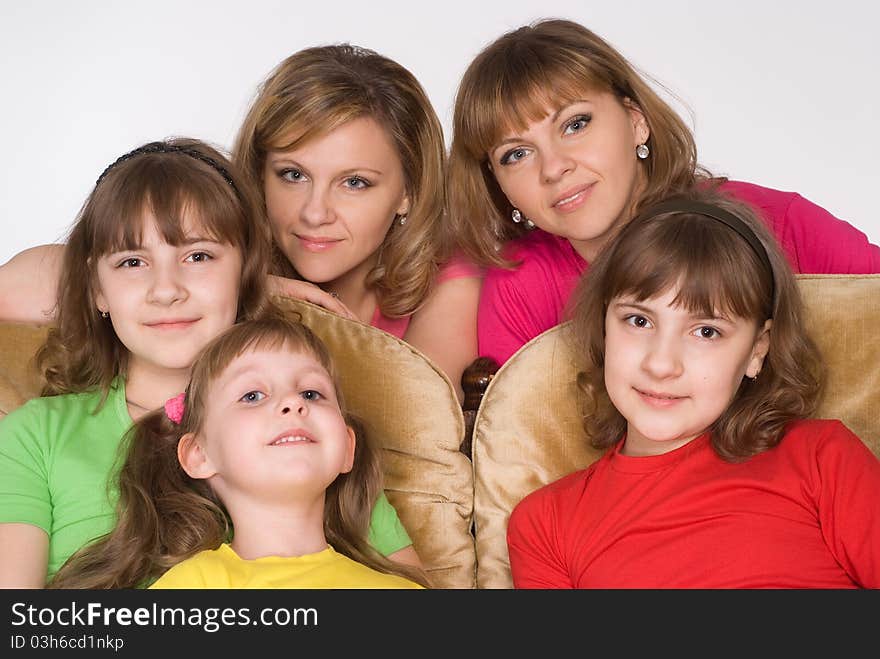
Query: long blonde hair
x=169, y=180
x=165, y=516
x=512, y=82
x=318, y=89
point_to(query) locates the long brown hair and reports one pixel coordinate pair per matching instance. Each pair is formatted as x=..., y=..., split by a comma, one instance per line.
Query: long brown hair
x=512, y=82
x=168, y=180
x=318, y=89
x=713, y=269
x=165, y=516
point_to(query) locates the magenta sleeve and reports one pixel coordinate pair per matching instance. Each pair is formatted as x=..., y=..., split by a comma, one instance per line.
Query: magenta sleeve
x=824, y=244
x=814, y=240
x=502, y=317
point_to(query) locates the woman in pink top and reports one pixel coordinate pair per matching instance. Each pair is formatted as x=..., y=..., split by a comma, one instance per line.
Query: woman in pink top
x=350, y=157
x=557, y=142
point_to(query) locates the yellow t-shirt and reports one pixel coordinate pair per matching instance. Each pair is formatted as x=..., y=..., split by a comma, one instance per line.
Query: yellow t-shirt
x=223, y=568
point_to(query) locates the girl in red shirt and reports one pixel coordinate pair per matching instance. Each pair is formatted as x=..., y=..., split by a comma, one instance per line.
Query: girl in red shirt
x=701, y=377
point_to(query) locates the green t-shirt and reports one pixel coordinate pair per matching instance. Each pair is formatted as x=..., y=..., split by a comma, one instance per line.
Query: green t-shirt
x=56, y=454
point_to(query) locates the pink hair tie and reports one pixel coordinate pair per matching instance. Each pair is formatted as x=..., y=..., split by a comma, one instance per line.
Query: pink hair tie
x=174, y=408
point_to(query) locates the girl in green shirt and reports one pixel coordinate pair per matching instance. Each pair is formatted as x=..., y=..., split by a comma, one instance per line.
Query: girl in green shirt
x=170, y=249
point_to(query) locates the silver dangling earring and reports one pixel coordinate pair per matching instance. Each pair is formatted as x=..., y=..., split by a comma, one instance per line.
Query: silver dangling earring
x=401, y=220
x=518, y=217
x=642, y=151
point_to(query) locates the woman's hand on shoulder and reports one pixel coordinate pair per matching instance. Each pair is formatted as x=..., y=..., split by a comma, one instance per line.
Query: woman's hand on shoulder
x=304, y=290
x=29, y=285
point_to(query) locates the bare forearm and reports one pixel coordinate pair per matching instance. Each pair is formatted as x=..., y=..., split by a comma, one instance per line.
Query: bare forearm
x=445, y=329
x=29, y=285
x=24, y=556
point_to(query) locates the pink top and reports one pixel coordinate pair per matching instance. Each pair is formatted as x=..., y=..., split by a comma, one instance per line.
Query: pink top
x=518, y=305
x=801, y=515
x=457, y=267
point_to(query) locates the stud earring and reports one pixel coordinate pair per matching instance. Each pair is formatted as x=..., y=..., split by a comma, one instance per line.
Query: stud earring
x=642, y=151
x=105, y=314
x=401, y=220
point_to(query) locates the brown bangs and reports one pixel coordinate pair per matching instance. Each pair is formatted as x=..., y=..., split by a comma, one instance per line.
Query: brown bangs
x=262, y=336
x=514, y=87
x=714, y=269
x=269, y=332
x=185, y=197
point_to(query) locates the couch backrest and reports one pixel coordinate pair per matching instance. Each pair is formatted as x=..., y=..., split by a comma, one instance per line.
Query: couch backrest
x=527, y=431
x=19, y=379
x=407, y=404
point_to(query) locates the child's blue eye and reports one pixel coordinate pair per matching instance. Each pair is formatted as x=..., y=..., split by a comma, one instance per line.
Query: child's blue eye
x=253, y=397
x=311, y=394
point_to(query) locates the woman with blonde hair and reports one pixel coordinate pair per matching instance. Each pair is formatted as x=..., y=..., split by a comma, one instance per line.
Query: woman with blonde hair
x=351, y=159
x=349, y=155
x=557, y=143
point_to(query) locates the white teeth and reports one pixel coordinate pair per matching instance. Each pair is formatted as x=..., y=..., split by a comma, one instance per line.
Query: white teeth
x=288, y=439
x=567, y=199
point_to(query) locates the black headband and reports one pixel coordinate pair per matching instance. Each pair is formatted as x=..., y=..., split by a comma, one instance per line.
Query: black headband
x=162, y=147
x=725, y=217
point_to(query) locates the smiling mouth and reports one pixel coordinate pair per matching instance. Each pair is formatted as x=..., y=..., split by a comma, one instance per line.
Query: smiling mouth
x=172, y=324
x=317, y=244
x=574, y=200
x=291, y=440
x=658, y=399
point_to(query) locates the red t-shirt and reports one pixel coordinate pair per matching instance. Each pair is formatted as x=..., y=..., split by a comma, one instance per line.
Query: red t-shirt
x=518, y=305
x=804, y=514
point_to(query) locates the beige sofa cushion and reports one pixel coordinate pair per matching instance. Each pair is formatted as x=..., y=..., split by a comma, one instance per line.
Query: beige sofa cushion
x=527, y=432
x=19, y=378
x=408, y=406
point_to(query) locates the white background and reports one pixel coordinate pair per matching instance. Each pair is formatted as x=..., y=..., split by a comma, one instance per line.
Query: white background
x=785, y=94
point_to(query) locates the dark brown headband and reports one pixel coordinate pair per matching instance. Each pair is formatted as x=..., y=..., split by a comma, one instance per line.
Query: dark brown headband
x=162, y=147
x=721, y=215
